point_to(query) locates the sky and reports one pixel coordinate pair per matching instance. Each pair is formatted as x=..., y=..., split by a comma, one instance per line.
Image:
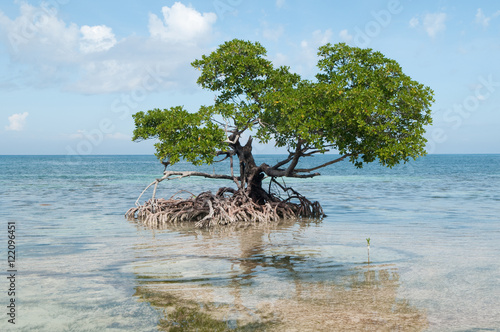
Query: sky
x=72, y=72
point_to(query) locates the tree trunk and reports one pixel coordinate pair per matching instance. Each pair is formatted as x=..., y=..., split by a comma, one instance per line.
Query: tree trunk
x=255, y=190
x=251, y=174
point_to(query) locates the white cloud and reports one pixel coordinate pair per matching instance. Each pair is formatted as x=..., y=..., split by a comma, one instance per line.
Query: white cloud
x=414, y=22
x=273, y=34
x=106, y=76
x=484, y=20
x=476, y=91
x=434, y=23
x=280, y=3
x=158, y=66
x=309, y=49
x=119, y=136
x=280, y=59
x=46, y=51
x=83, y=134
x=46, y=47
x=481, y=18
x=321, y=38
x=17, y=121
x=345, y=36
x=39, y=35
x=181, y=24
x=80, y=134
x=96, y=38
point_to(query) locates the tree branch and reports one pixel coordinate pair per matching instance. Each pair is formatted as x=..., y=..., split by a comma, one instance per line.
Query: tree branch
x=283, y=162
x=269, y=171
x=227, y=154
x=183, y=174
x=235, y=179
x=317, y=151
x=295, y=160
x=306, y=170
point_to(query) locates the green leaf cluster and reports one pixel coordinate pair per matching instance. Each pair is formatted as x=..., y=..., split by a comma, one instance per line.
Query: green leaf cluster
x=383, y=111
x=241, y=76
x=361, y=104
x=182, y=135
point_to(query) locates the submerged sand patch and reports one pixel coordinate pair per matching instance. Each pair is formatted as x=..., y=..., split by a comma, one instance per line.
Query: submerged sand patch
x=365, y=300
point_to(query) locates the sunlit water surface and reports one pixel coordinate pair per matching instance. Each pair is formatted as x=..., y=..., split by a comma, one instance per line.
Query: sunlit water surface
x=433, y=224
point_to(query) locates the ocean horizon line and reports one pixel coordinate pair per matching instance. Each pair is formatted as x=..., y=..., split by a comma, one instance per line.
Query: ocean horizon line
x=257, y=154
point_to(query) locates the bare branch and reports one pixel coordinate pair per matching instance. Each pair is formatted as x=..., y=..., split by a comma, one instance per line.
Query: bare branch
x=283, y=162
x=235, y=179
x=249, y=142
x=227, y=154
x=300, y=153
x=306, y=170
x=216, y=121
x=234, y=134
x=259, y=121
x=155, y=182
x=269, y=171
x=285, y=189
x=315, y=151
x=304, y=176
x=234, y=141
x=295, y=160
x=183, y=174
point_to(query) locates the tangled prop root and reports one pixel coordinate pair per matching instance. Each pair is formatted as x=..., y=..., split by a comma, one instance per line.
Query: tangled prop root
x=208, y=209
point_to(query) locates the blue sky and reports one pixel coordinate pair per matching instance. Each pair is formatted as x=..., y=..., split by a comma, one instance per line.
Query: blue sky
x=73, y=72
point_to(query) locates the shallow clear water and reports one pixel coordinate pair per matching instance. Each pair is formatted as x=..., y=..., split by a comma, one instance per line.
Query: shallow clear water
x=434, y=226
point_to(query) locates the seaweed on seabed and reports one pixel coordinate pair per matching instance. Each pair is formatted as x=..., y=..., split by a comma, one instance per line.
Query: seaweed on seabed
x=188, y=315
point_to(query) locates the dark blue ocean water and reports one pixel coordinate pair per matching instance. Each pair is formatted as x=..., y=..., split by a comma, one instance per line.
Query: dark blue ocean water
x=435, y=223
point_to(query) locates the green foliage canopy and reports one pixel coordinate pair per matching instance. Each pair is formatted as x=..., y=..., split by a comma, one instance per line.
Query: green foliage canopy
x=360, y=104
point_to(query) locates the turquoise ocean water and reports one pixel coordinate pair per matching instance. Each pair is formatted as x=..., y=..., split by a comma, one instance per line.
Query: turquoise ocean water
x=433, y=223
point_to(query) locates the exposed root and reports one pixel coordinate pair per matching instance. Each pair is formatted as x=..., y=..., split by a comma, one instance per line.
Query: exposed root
x=225, y=207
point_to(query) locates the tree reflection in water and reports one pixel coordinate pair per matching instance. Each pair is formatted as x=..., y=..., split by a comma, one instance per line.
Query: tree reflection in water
x=259, y=277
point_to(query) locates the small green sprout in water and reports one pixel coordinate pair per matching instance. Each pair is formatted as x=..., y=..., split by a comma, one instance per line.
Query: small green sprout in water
x=368, y=246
